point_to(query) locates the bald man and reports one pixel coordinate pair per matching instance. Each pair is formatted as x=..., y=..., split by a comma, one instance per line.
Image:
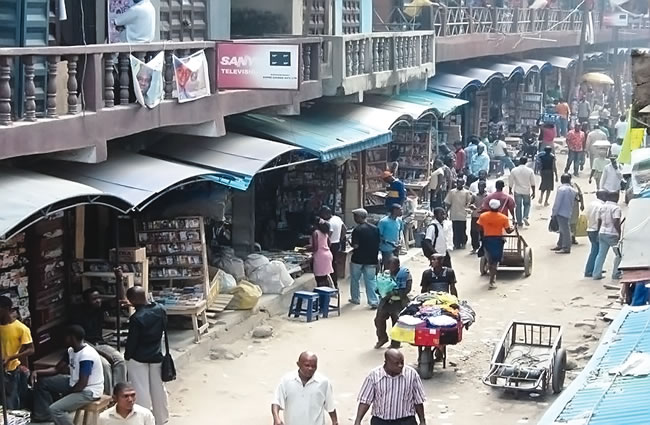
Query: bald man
x=144, y=355
x=395, y=393
x=304, y=396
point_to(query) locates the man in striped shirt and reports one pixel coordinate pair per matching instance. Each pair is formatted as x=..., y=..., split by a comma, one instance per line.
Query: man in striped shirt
x=395, y=392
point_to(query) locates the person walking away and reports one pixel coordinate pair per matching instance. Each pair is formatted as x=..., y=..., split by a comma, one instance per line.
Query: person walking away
x=390, y=230
x=16, y=343
x=578, y=206
x=562, y=211
x=493, y=223
x=547, y=136
x=522, y=185
x=548, y=174
x=436, y=182
x=435, y=240
x=394, y=302
x=337, y=238
x=91, y=316
x=575, y=143
x=139, y=22
x=621, y=129
x=460, y=163
x=365, y=245
x=477, y=204
x=584, y=110
x=125, y=411
x=609, y=235
x=507, y=203
x=563, y=110
x=594, y=135
x=593, y=214
x=84, y=384
x=143, y=353
x=395, y=393
x=438, y=278
x=612, y=177
x=598, y=166
x=304, y=396
x=458, y=201
x=480, y=162
x=500, y=153
x=396, y=190
x=322, y=258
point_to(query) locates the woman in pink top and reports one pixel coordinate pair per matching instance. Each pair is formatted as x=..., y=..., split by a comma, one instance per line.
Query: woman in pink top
x=547, y=135
x=322, y=256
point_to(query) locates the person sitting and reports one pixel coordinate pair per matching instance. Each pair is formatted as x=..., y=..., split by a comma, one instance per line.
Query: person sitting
x=78, y=377
x=125, y=411
x=90, y=316
x=16, y=342
x=438, y=277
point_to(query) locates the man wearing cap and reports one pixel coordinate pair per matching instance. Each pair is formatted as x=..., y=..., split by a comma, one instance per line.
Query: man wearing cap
x=365, y=244
x=612, y=177
x=390, y=231
x=396, y=190
x=493, y=223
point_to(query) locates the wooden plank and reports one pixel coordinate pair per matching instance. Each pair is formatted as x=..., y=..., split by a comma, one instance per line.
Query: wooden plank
x=79, y=232
x=220, y=303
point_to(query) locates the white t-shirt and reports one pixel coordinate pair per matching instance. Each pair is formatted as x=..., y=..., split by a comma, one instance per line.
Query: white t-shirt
x=96, y=378
x=621, y=129
x=439, y=243
x=611, y=179
x=522, y=180
x=499, y=148
x=593, y=212
x=489, y=186
x=139, y=22
x=607, y=214
x=336, y=225
x=138, y=416
x=304, y=404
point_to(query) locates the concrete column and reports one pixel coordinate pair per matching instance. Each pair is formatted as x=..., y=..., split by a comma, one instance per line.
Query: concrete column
x=219, y=19
x=366, y=16
x=337, y=15
x=243, y=220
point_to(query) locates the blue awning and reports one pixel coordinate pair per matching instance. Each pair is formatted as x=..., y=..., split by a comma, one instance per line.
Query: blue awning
x=324, y=136
x=562, y=62
x=509, y=70
x=454, y=84
x=534, y=65
x=440, y=104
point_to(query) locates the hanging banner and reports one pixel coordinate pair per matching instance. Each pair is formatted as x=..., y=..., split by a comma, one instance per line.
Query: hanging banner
x=116, y=7
x=258, y=66
x=192, y=77
x=147, y=80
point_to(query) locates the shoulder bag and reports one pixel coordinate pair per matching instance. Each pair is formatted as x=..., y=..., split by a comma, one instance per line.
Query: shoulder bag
x=168, y=369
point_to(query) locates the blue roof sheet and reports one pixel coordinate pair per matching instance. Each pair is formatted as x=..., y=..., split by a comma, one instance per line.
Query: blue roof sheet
x=598, y=398
x=324, y=136
x=453, y=84
x=436, y=101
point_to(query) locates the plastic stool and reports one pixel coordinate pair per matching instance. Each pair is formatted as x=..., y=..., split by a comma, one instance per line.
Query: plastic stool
x=312, y=305
x=325, y=293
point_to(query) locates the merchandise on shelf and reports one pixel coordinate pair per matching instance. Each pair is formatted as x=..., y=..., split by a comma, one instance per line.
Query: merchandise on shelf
x=13, y=274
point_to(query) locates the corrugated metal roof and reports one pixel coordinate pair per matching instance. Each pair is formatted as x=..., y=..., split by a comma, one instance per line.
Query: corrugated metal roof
x=598, y=398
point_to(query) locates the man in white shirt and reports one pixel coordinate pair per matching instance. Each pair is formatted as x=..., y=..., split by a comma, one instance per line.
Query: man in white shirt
x=304, y=396
x=500, y=152
x=489, y=184
x=125, y=411
x=609, y=234
x=615, y=149
x=84, y=384
x=522, y=185
x=593, y=214
x=621, y=128
x=612, y=177
x=594, y=135
x=435, y=239
x=139, y=22
x=337, y=238
x=436, y=184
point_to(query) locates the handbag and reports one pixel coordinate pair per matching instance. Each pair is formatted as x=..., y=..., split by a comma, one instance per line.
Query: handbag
x=581, y=226
x=553, y=225
x=168, y=368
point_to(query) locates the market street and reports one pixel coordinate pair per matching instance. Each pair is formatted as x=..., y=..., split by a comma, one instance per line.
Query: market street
x=239, y=391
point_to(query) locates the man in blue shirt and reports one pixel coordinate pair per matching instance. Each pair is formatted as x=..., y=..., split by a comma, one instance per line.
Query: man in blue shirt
x=390, y=230
x=562, y=210
x=394, y=302
x=480, y=161
x=396, y=190
x=471, y=149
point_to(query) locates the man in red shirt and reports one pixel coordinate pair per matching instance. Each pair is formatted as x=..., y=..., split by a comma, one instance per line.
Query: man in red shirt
x=575, y=141
x=460, y=158
x=507, y=201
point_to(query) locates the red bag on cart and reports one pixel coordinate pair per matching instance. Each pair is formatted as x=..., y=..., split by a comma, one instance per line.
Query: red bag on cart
x=427, y=337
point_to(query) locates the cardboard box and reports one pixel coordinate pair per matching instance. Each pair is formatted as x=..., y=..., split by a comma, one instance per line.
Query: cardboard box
x=129, y=255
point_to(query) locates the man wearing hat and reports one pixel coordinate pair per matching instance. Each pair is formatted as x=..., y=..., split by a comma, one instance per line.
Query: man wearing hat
x=365, y=244
x=396, y=190
x=493, y=224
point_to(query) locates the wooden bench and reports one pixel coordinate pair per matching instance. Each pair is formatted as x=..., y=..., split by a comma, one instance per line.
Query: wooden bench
x=199, y=310
x=89, y=414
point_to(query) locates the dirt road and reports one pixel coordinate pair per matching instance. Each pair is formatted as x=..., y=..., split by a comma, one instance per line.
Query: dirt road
x=239, y=391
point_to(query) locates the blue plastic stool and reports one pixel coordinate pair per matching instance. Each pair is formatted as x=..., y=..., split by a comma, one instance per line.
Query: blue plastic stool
x=325, y=293
x=312, y=305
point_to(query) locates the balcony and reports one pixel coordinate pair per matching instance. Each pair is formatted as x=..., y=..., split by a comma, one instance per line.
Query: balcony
x=79, y=97
x=470, y=32
x=362, y=62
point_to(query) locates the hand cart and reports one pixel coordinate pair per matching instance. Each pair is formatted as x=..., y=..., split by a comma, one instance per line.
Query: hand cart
x=516, y=254
x=432, y=347
x=529, y=358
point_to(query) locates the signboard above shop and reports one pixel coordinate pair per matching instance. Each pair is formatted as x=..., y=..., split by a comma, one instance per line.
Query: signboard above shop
x=258, y=66
x=617, y=19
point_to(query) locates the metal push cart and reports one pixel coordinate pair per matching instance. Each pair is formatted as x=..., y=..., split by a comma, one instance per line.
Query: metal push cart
x=529, y=358
x=516, y=254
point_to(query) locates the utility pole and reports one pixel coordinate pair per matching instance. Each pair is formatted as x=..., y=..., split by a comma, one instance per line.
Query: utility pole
x=581, y=49
x=619, y=102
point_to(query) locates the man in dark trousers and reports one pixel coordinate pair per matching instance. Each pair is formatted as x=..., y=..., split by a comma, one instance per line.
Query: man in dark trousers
x=144, y=355
x=365, y=243
x=390, y=306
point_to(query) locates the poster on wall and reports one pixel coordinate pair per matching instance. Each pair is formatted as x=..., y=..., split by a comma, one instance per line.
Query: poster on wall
x=148, y=80
x=258, y=66
x=192, y=77
x=116, y=7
